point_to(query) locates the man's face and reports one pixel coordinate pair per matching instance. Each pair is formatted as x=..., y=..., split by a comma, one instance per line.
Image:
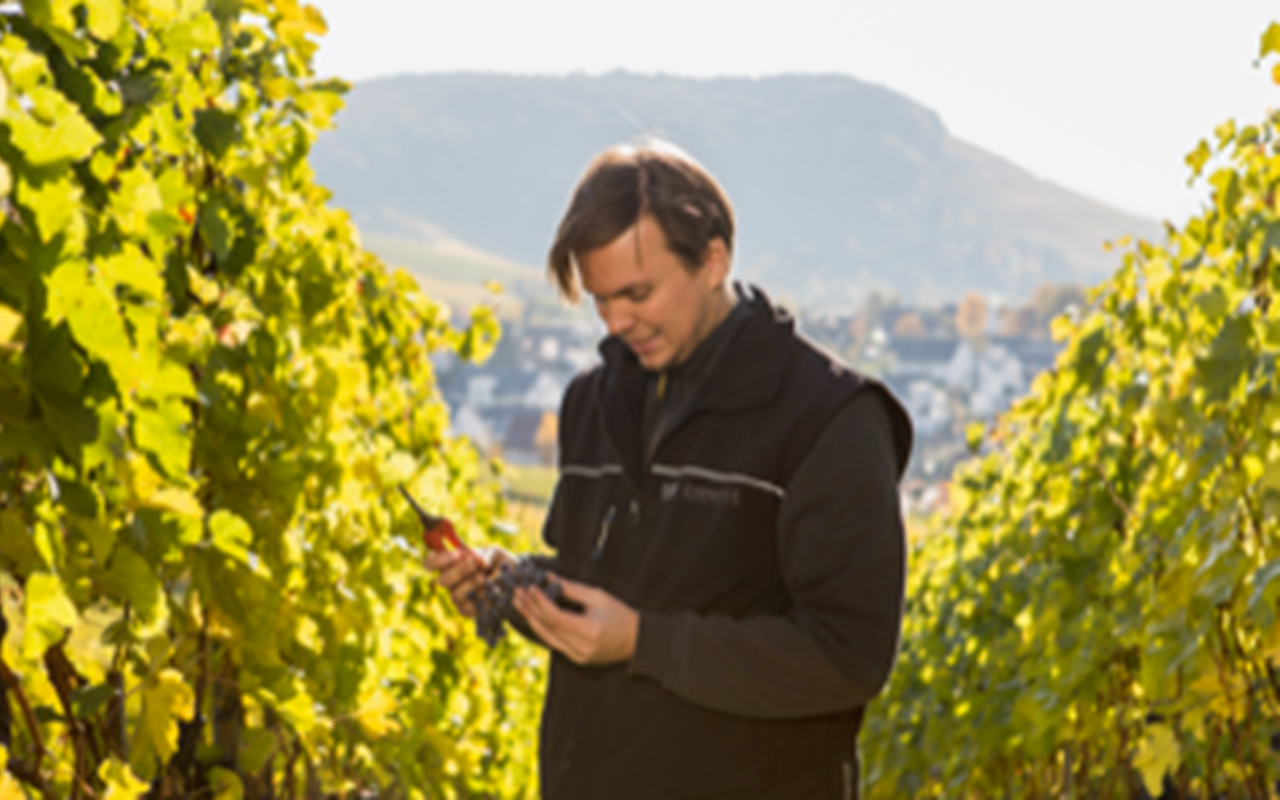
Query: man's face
x=649, y=299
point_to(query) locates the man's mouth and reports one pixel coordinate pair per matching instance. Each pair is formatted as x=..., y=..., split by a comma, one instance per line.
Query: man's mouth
x=643, y=346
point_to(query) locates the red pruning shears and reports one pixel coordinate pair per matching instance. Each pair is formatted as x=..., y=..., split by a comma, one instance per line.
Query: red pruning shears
x=437, y=532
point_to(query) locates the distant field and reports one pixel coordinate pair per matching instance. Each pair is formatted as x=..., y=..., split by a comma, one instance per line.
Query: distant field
x=531, y=483
x=457, y=274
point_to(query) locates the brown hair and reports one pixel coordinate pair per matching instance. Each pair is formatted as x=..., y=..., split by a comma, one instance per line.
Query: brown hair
x=626, y=182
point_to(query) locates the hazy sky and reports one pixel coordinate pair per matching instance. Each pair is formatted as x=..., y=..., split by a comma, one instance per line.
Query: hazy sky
x=1102, y=97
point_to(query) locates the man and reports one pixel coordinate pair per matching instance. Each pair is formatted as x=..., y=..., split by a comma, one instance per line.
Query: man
x=727, y=515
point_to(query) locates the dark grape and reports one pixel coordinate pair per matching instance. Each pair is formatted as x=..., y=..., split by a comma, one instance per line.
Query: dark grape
x=493, y=600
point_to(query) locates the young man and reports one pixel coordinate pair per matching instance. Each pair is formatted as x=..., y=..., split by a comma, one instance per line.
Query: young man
x=727, y=514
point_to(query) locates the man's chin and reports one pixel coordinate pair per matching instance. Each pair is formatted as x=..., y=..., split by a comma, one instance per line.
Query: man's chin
x=653, y=361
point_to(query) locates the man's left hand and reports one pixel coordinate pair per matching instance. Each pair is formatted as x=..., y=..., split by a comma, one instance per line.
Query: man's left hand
x=604, y=632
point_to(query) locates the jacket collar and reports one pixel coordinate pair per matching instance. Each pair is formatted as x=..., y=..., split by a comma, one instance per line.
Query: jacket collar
x=748, y=374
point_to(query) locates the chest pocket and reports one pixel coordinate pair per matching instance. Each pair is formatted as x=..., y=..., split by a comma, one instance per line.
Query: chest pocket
x=711, y=542
x=580, y=515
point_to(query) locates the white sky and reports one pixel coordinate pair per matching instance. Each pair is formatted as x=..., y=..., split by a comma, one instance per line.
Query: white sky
x=1102, y=97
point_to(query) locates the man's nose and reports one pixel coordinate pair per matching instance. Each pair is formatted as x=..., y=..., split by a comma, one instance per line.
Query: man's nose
x=616, y=318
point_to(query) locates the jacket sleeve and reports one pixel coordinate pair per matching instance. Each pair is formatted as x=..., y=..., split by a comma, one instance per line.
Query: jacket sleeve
x=842, y=551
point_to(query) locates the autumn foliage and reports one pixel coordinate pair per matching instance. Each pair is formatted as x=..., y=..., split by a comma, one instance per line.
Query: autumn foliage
x=208, y=393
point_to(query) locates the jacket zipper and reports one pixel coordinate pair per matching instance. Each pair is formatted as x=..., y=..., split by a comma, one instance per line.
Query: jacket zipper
x=602, y=538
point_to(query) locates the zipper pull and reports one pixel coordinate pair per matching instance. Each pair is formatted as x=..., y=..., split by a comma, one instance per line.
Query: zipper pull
x=603, y=537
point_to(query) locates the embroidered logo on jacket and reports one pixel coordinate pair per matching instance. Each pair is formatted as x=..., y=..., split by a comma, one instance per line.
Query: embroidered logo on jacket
x=701, y=494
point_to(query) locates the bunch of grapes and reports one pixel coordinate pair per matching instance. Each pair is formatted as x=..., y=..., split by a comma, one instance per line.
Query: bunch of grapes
x=493, y=600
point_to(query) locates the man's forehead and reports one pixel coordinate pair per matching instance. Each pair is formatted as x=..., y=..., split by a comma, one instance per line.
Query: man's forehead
x=616, y=267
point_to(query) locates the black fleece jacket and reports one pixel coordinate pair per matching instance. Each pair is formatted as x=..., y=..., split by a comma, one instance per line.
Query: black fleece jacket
x=759, y=535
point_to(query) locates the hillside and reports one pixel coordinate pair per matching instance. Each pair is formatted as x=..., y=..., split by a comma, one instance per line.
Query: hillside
x=840, y=186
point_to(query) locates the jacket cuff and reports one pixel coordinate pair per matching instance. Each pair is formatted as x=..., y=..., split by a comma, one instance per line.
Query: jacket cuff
x=655, y=645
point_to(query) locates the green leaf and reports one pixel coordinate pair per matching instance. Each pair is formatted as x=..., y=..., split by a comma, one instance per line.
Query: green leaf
x=17, y=549
x=25, y=68
x=136, y=199
x=52, y=14
x=55, y=205
x=216, y=227
x=56, y=378
x=101, y=538
x=1197, y=158
x=133, y=269
x=89, y=699
x=231, y=535
x=55, y=132
x=195, y=35
x=217, y=130
x=94, y=319
x=1227, y=196
x=161, y=428
x=1229, y=358
x=131, y=578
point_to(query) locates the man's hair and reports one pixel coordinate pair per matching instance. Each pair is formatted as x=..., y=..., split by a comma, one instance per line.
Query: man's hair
x=626, y=182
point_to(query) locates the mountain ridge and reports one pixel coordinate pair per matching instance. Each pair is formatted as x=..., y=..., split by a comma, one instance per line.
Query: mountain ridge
x=841, y=187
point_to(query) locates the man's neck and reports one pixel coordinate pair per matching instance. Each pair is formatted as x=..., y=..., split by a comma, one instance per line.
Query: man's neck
x=721, y=305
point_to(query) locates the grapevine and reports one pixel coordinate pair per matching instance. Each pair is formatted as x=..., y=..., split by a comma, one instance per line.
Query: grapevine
x=1096, y=614
x=207, y=391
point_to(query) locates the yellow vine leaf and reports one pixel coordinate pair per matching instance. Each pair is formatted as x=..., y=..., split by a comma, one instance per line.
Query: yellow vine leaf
x=1270, y=40
x=179, y=501
x=10, y=321
x=231, y=535
x=166, y=701
x=49, y=614
x=105, y=17
x=10, y=789
x=1157, y=755
x=299, y=711
x=120, y=782
x=55, y=131
x=377, y=710
x=226, y=784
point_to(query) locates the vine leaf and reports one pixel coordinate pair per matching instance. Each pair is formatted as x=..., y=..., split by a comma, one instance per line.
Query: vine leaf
x=1157, y=756
x=49, y=614
x=166, y=700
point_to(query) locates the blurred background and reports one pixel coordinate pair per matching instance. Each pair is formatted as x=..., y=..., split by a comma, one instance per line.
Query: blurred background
x=925, y=183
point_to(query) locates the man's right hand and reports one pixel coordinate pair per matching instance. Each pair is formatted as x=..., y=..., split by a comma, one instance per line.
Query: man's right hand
x=461, y=573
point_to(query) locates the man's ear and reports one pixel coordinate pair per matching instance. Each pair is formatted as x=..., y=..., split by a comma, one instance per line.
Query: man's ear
x=715, y=263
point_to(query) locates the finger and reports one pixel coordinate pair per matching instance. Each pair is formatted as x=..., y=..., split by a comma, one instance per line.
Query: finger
x=498, y=557
x=463, y=592
x=571, y=630
x=552, y=637
x=437, y=560
x=578, y=592
x=459, y=572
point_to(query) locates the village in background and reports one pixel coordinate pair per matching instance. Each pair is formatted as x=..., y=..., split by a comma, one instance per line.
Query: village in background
x=951, y=366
